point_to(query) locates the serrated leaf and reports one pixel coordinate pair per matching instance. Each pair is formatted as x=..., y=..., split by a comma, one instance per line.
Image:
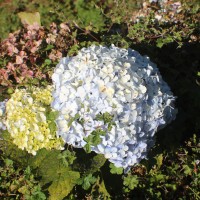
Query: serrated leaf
x=131, y=181
x=37, y=160
x=67, y=157
x=52, y=170
x=86, y=181
x=63, y=185
x=29, y=18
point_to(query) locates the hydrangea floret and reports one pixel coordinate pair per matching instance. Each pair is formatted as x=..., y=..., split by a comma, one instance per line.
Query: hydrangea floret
x=2, y=115
x=103, y=83
x=28, y=122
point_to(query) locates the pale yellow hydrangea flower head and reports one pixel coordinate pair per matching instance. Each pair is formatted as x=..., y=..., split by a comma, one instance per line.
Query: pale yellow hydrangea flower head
x=27, y=121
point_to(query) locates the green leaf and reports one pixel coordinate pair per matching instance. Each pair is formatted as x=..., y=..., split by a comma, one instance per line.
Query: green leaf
x=52, y=170
x=187, y=170
x=105, y=117
x=87, y=148
x=97, y=162
x=49, y=47
x=73, y=50
x=76, y=117
x=94, y=139
x=115, y=170
x=159, y=160
x=12, y=151
x=157, y=178
x=37, y=160
x=8, y=162
x=23, y=190
x=10, y=91
x=27, y=172
x=63, y=184
x=101, y=189
x=171, y=186
x=131, y=181
x=51, y=116
x=159, y=43
x=90, y=15
x=36, y=193
x=48, y=61
x=29, y=18
x=67, y=157
x=86, y=181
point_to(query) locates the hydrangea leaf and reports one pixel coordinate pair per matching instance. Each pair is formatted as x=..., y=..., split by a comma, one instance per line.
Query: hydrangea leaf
x=76, y=117
x=63, y=184
x=115, y=170
x=51, y=116
x=41, y=155
x=105, y=117
x=12, y=151
x=67, y=157
x=87, y=148
x=94, y=139
x=29, y=18
x=49, y=165
x=52, y=170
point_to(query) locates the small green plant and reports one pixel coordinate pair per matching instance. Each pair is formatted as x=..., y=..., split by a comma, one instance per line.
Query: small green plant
x=86, y=181
x=172, y=175
x=17, y=183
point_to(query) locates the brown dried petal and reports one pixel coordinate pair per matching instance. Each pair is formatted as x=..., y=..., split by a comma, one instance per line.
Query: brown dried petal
x=19, y=60
x=10, y=66
x=65, y=27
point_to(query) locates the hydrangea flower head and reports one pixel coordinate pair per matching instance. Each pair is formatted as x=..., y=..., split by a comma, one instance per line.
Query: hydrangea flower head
x=27, y=122
x=111, y=82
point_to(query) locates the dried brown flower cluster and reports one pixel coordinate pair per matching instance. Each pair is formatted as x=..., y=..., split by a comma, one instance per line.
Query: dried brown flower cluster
x=23, y=53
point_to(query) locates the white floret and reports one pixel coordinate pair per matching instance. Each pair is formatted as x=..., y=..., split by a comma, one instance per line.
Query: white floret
x=2, y=115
